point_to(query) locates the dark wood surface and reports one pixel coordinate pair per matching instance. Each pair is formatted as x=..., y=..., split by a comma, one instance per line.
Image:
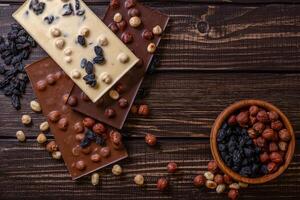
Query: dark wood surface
x=251, y=50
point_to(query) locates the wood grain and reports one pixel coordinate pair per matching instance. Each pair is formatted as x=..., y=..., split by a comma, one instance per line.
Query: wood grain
x=28, y=171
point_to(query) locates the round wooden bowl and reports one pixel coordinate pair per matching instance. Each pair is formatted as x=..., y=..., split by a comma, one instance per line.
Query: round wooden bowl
x=224, y=116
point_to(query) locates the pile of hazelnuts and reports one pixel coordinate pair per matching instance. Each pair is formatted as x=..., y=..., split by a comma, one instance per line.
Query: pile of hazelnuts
x=267, y=132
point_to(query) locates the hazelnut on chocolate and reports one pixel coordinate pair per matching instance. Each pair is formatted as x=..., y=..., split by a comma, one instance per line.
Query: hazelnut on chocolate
x=127, y=37
x=114, y=94
x=116, y=138
x=80, y=165
x=72, y=100
x=147, y=35
x=63, y=124
x=123, y=103
x=86, y=150
x=151, y=48
x=78, y=127
x=122, y=58
x=118, y=17
x=135, y=21
x=54, y=116
x=104, y=152
x=60, y=43
x=50, y=79
x=79, y=137
x=95, y=157
x=55, y=32
x=88, y=122
x=134, y=12
x=99, y=128
x=129, y=3
x=84, y=97
x=109, y=112
x=113, y=27
x=122, y=25
x=41, y=85
x=76, y=150
x=157, y=30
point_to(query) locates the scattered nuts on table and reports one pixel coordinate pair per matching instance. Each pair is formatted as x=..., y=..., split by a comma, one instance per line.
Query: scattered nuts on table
x=114, y=94
x=157, y=30
x=21, y=136
x=151, y=48
x=55, y=32
x=172, y=167
x=199, y=180
x=209, y=176
x=102, y=40
x=117, y=170
x=60, y=43
x=26, y=119
x=162, y=184
x=135, y=21
x=150, y=139
x=220, y=188
x=44, y=126
x=139, y=180
x=211, y=184
x=41, y=138
x=35, y=106
x=56, y=155
x=95, y=179
x=143, y=110
x=51, y=146
x=118, y=17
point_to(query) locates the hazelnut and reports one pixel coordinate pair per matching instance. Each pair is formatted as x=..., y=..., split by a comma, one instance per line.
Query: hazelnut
x=75, y=74
x=122, y=58
x=232, y=120
x=227, y=179
x=116, y=139
x=273, y=147
x=220, y=188
x=63, y=124
x=120, y=88
x=129, y=3
x=233, y=194
x=151, y=48
x=114, y=4
x=139, y=180
x=134, y=109
x=95, y=157
x=55, y=32
x=95, y=179
x=56, y=155
x=210, y=184
x=262, y=116
x=44, y=126
x=35, y=106
x=143, y=110
x=150, y=139
x=253, y=120
x=76, y=150
x=26, y=119
x=243, y=185
x=162, y=184
x=117, y=170
x=272, y=167
x=60, y=43
x=113, y=27
x=78, y=127
x=68, y=59
x=172, y=167
x=86, y=150
x=79, y=137
x=264, y=157
x=41, y=138
x=105, y=77
x=273, y=116
x=242, y=118
x=105, y=152
x=147, y=35
x=114, y=94
x=284, y=135
x=260, y=142
x=67, y=51
x=80, y=165
x=276, y=157
x=88, y=122
x=84, y=97
x=199, y=180
x=212, y=166
x=54, y=116
x=259, y=127
x=122, y=25
x=126, y=38
x=219, y=179
x=99, y=128
x=283, y=146
x=118, y=17
x=253, y=110
x=123, y=103
x=268, y=134
x=102, y=40
x=235, y=186
x=51, y=79
x=277, y=125
x=84, y=31
x=157, y=30
x=109, y=112
x=72, y=100
x=52, y=146
x=251, y=133
x=21, y=136
x=41, y=85
x=209, y=176
x=134, y=12
x=58, y=75
x=135, y=21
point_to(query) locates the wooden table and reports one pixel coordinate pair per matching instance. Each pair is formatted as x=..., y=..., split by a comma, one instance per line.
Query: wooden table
x=247, y=49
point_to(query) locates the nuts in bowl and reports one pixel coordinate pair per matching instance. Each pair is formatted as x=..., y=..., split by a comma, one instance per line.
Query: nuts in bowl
x=252, y=141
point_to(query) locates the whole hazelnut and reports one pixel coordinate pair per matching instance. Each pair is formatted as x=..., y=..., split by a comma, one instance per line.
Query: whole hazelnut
x=41, y=85
x=143, y=110
x=262, y=116
x=219, y=179
x=220, y=188
x=147, y=35
x=284, y=135
x=243, y=118
x=162, y=184
x=122, y=25
x=199, y=180
x=78, y=127
x=172, y=167
x=51, y=79
x=268, y=134
x=99, y=128
x=117, y=170
x=117, y=17
x=105, y=152
x=129, y=3
x=209, y=175
x=56, y=155
x=113, y=27
x=123, y=103
x=259, y=127
x=60, y=43
x=127, y=37
x=264, y=157
x=55, y=32
x=232, y=120
x=212, y=166
x=20, y=136
x=273, y=147
x=283, y=146
x=253, y=120
x=253, y=110
x=88, y=122
x=35, y=106
x=227, y=179
x=52, y=146
x=157, y=30
x=114, y=4
x=95, y=157
x=134, y=12
x=116, y=138
x=151, y=48
x=54, y=116
x=273, y=116
x=86, y=150
x=260, y=142
x=272, y=167
x=150, y=139
x=41, y=138
x=109, y=112
x=72, y=101
x=276, y=157
x=210, y=184
x=95, y=179
x=277, y=125
x=135, y=21
x=80, y=165
x=79, y=137
x=63, y=124
x=44, y=126
x=139, y=180
x=26, y=119
x=233, y=194
x=235, y=186
x=251, y=133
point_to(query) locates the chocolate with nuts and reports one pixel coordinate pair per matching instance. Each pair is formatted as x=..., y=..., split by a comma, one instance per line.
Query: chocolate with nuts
x=82, y=149
x=133, y=25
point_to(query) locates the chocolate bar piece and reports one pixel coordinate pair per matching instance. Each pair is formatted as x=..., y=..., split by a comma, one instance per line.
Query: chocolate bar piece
x=83, y=46
x=140, y=28
x=85, y=145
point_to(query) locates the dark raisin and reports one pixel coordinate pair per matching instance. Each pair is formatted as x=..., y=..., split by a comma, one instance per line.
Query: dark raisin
x=15, y=101
x=98, y=60
x=98, y=50
x=68, y=9
x=81, y=40
x=2, y=69
x=83, y=62
x=221, y=147
x=89, y=68
x=49, y=19
x=21, y=39
x=80, y=12
x=77, y=4
x=37, y=7
x=90, y=80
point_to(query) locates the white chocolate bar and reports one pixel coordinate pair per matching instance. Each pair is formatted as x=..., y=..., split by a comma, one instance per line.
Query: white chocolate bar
x=60, y=40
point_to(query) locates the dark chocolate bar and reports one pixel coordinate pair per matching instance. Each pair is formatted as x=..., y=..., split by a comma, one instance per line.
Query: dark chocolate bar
x=140, y=28
x=85, y=145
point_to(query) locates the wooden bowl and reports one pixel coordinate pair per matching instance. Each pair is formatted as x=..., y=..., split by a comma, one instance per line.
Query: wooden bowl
x=224, y=116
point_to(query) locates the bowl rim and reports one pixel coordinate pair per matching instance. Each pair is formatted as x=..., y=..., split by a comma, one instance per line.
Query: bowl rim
x=224, y=115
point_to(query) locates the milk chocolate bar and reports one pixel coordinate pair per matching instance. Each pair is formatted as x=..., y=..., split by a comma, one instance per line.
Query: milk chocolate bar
x=85, y=145
x=83, y=46
x=140, y=28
